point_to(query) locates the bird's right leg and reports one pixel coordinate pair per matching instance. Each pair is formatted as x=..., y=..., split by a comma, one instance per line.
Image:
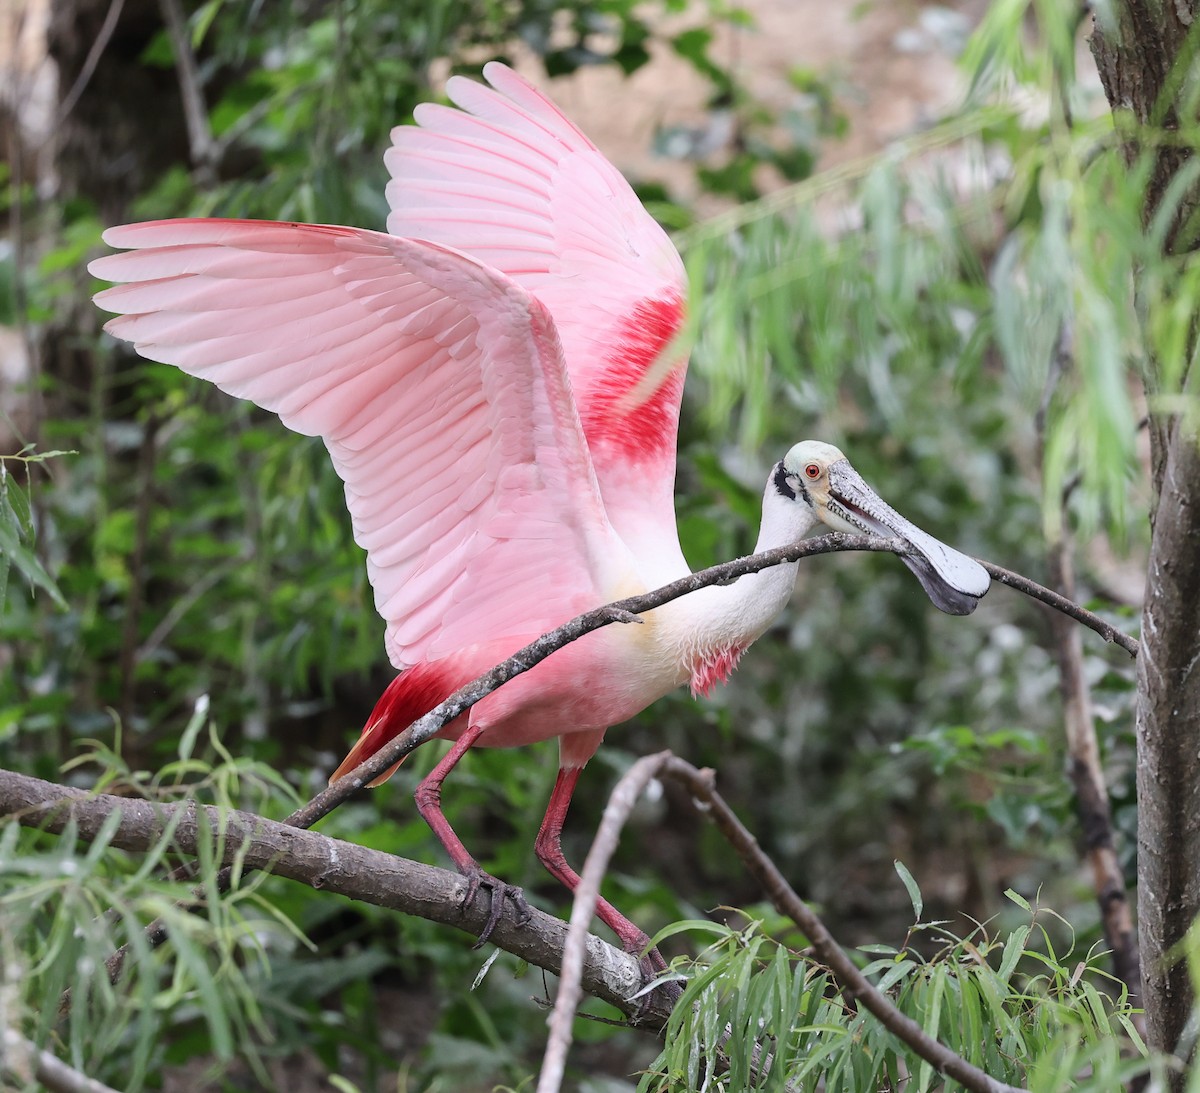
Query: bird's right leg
x=548, y=848
x=428, y=796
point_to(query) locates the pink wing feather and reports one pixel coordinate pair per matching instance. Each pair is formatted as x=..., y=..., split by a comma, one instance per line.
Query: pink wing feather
x=438, y=386
x=510, y=180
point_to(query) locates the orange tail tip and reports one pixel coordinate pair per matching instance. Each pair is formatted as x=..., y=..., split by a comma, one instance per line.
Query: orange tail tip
x=366, y=746
x=409, y=696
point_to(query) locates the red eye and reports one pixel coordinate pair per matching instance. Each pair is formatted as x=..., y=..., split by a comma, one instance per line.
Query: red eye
x=813, y=470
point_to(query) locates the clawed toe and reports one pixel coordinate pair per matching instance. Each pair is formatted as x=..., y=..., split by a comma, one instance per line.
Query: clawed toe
x=653, y=966
x=500, y=891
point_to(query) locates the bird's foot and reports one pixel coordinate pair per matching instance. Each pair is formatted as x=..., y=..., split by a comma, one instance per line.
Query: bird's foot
x=653, y=967
x=499, y=892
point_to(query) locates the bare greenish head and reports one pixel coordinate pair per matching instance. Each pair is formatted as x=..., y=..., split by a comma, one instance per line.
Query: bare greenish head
x=819, y=475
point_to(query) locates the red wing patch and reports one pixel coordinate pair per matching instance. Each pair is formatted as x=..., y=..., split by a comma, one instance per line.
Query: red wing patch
x=640, y=425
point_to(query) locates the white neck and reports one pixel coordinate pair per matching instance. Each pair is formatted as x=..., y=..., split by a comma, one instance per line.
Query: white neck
x=708, y=630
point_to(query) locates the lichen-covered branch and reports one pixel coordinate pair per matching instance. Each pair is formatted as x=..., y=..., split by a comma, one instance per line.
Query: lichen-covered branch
x=329, y=864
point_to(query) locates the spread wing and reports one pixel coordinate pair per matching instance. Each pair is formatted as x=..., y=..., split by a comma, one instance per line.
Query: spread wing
x=438, y=386
x=510, y=180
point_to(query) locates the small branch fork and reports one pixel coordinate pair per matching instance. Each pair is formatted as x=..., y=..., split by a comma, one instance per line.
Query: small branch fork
x=701, y=784
x=625, y=611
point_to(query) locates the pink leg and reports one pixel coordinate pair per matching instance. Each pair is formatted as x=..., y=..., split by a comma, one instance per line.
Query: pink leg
x=428, y=797
x=549, y=851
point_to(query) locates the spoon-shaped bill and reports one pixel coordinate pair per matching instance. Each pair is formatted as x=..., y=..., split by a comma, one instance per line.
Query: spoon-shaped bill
x=951, y=580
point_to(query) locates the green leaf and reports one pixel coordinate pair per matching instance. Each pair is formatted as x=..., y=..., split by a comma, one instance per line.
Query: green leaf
x=1018, y=899
x=914, y=892
x=15, y=553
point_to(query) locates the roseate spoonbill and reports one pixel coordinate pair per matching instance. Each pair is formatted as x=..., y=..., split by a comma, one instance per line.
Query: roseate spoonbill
x=494, y=380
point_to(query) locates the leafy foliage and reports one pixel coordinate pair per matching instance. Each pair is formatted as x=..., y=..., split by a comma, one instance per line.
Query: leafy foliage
x=67, y=907
x=912, y=309
x=756, y=1016
x=16, y=532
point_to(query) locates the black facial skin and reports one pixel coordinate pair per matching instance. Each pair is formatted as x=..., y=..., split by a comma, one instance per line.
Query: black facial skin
x=785, y=487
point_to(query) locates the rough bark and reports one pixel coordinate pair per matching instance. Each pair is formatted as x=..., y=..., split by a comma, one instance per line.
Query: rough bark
x=1087, y=778
x=330, y=864
x=1144, y=53
x=1168, y=728
x=1143, y=57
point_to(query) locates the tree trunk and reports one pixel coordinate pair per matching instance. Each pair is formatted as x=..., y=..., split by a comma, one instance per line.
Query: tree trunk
x=1143, y=57
x=1168, y=728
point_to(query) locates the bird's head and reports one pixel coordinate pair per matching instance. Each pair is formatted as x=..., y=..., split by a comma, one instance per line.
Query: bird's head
x=819, y=476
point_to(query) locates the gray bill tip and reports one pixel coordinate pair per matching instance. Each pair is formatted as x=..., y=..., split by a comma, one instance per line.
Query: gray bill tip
x=953, y=582
x=944, y=595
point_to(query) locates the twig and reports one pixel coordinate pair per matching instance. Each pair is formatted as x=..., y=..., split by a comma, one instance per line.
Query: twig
x=24, y=1060
x=1091, y=792
x=1083, y=749
x=186, y=601
x=700, y=783
x=621, y=803
x=328, y=864
x=99, y=45
x=1060, y=603
x=202, y=147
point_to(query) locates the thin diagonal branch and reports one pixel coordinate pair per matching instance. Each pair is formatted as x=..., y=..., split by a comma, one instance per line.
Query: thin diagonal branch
x=1064, y=606
x=202, y=147
x=620, y=805
x=88, y=69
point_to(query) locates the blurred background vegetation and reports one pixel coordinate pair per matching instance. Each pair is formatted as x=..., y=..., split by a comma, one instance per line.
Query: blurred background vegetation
x=179, y=567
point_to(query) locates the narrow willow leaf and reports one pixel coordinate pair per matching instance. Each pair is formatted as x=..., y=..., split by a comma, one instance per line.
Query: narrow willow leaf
x=15, y=553
x=914, y=892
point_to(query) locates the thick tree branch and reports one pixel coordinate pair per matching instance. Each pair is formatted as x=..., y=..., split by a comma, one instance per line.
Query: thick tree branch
x=1168, y=717
x=1146, y=56
x=26, y=1063
x=331, y=865
x=701, y=784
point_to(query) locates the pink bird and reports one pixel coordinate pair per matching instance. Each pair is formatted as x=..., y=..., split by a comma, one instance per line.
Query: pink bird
x=495, y=381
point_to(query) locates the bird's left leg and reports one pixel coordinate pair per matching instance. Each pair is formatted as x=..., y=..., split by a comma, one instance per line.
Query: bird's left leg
x=548, y=848
x=428, y=796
